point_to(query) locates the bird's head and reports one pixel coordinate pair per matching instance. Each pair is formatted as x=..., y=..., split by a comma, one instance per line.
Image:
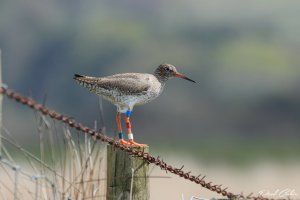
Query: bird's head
x=166, y=71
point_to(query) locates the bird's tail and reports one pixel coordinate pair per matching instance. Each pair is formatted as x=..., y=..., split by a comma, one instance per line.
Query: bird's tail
x=86, y=81
x=76, y=76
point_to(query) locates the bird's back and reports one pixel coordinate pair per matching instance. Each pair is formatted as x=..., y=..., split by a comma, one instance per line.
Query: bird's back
x=127, y=88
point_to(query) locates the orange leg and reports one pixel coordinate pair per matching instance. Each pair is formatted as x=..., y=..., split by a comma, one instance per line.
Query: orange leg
x=121, y=135
x=130, y=134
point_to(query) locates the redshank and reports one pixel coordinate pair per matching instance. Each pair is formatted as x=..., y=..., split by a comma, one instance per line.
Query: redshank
x=130, y=89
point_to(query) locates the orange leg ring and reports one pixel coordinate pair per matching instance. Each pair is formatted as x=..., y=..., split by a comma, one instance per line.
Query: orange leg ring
x=128, y=125
x=119, y=122
x=121, y=135
x=130, y=135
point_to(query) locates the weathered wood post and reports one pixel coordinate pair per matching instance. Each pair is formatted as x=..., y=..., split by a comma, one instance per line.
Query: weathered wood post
x=127, y=176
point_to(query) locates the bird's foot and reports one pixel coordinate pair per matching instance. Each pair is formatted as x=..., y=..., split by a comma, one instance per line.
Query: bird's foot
x=124, y=142
x=135, y=144
x=132, y=143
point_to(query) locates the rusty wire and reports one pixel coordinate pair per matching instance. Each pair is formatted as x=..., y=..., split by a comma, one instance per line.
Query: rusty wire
x=132, y=151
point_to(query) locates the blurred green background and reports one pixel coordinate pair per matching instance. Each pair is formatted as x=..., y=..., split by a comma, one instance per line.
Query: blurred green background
x=244, y=54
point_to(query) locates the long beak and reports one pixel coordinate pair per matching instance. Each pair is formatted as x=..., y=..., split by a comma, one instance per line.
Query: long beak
x=178, y=75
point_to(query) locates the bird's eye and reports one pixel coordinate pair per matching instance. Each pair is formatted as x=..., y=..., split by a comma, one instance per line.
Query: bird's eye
x=168, y=69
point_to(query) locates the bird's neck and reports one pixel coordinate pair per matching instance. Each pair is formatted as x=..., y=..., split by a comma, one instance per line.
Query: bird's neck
x=160, y=77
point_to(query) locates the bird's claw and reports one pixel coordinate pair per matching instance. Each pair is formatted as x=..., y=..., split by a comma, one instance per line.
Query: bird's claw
x=135, y=144
x=124, y=142
x=132, y=143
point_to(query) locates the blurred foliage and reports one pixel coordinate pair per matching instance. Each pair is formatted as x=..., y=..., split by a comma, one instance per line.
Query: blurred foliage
x=243, y=54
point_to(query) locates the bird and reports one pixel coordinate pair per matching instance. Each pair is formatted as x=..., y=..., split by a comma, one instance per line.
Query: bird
x=127, y=90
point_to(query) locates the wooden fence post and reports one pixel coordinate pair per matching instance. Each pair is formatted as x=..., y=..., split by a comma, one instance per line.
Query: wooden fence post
x=127, y=176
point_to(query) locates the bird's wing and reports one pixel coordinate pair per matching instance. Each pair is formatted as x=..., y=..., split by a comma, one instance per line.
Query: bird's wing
x=127, y=84
x=130, y=85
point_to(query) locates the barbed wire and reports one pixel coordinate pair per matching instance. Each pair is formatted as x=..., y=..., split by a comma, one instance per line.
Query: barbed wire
x=200, y=179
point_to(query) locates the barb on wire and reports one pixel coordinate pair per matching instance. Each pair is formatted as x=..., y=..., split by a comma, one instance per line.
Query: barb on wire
x=132, y=151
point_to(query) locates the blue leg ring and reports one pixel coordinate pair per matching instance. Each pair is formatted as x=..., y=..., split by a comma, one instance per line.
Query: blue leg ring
x=128, y=113
x=121, y=136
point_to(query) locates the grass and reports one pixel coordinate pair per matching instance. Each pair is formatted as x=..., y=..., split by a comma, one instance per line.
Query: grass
x=68, y=165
